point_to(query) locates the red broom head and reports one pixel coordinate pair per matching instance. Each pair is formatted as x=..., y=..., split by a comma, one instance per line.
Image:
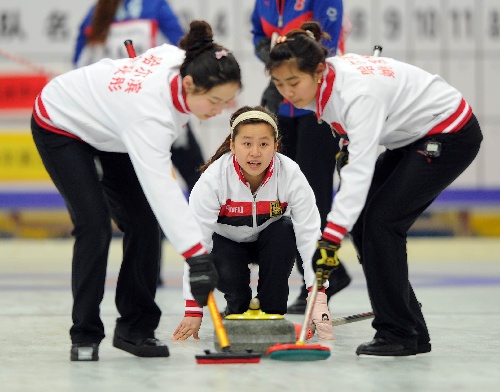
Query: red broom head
x=298, y=327
x=211, y=358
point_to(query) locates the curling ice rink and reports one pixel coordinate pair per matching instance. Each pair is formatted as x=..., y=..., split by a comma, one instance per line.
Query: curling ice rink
x=457, y=281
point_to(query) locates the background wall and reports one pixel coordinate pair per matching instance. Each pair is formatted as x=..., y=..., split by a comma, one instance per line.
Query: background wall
x=459, y=39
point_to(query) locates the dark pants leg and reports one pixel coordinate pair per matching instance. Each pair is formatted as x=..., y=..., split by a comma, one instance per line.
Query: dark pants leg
x=274, y=252
x=188, y=158
x=90, y=202
x=314, y=147
x=70, y=164
x=404, y=184
x=231, y=260
x=136, y=286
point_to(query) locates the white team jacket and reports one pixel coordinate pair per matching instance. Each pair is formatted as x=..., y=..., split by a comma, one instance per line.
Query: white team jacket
x=135, y=106
x=223, y=203
x=378, y=101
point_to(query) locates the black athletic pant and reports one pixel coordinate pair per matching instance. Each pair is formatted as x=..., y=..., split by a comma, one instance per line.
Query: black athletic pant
x=274, y=251
x=313, y=147
x=404, y=184
x=188, y=158
x=91, y=204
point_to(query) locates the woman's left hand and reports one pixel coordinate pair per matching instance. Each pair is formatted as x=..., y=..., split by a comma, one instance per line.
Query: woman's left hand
x=189, y=326
x=320, y=318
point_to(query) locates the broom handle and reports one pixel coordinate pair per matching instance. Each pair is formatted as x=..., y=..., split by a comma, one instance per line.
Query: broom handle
x=27, y=62
x=130, y=48
x=310, y=305
x=352, y=319
x=219, y=327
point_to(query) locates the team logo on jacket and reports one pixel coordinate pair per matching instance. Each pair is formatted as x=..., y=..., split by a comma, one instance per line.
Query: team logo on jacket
x=238, y=210
x=275, y=209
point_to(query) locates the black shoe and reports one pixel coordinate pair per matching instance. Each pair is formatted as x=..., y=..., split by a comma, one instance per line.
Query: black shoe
x=143, y=347
x=85, y=352
x=384, y=348
x=424, y=348
x=299, y=306
x=339, y=280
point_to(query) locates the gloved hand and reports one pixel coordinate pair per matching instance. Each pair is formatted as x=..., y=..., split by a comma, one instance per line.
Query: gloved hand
x=202, y=277
x=325, y=260
x=342, y=158
x=320, y=317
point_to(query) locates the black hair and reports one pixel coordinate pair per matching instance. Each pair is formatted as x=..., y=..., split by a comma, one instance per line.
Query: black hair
x=302, y=46
x=226, y=145
x=202, y=63
x=104, y=13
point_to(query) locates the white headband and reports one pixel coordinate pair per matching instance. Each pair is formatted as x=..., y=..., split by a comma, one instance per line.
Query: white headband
x=254, y=115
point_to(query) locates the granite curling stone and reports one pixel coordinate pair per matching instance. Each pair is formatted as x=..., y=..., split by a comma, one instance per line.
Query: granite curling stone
x=256, y=330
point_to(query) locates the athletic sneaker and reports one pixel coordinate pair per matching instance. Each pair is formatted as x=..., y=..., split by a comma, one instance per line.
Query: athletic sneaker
x=85, y=352
x=387, y=348
x=384, y=348
x=142, y=347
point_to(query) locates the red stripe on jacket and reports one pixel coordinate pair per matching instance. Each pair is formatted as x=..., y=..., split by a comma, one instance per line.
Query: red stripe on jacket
x=175, y=88
x=193, y=309
x=196, y=250
x=334, y=233
x=42, y=122
x=463, y=109
x=323, y=94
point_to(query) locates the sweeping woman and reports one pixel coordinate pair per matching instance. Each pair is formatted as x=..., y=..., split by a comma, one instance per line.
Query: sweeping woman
x=128, y=112
x=431, y=136
x=307, y=142
x=254, y=206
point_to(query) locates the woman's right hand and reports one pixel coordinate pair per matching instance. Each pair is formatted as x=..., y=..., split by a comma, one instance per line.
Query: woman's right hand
x=189, y=326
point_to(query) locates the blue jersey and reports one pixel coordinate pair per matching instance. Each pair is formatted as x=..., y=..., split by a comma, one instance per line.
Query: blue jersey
x=155, y=14
x=281, y=16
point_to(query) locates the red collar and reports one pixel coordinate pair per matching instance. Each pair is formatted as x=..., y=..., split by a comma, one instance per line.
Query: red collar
x=179, y=95
x=324, y=90
x=269, y=173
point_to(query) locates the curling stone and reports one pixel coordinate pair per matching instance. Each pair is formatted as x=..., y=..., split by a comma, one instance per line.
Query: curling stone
x=256, y=330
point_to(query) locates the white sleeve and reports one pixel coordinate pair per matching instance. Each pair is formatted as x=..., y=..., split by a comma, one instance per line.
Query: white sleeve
x=205, y=205
x=148, y=143
x=306, y=221
x=365, y=119
x=186, y=286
